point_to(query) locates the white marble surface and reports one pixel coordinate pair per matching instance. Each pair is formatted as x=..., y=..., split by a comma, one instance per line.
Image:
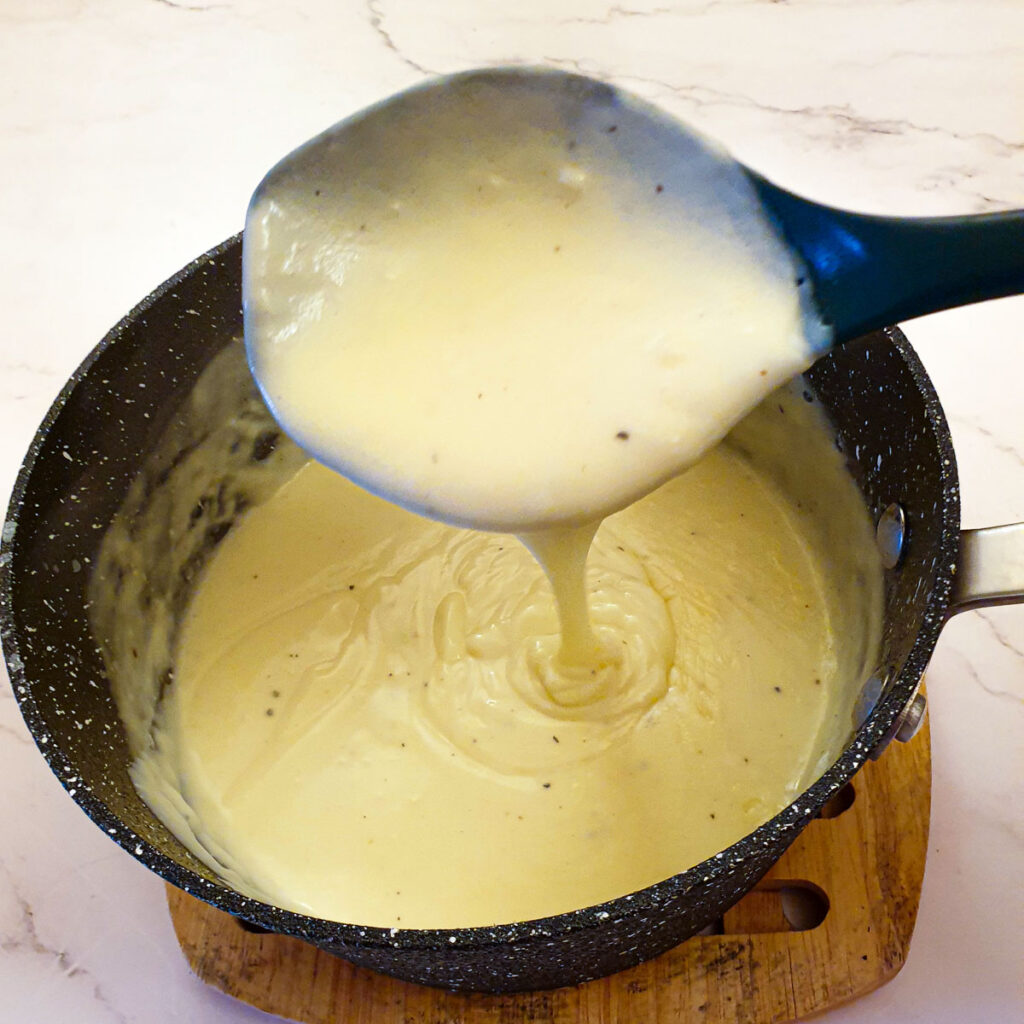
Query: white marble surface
x=131, y=134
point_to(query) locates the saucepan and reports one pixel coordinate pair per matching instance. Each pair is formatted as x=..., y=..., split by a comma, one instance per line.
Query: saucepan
x=128, y=396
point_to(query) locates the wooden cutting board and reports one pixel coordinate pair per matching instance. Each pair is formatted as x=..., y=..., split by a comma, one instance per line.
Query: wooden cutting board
x=861, y=867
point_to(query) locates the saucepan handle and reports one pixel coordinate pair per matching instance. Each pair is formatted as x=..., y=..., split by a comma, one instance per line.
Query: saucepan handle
x=990, y=569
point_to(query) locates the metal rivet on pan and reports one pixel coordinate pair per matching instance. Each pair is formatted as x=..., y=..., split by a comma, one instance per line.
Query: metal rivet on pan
x=906, y=726
x=891, y=535
x=909, y=723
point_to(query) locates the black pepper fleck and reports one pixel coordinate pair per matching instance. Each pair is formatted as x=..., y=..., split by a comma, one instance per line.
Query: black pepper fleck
x=264, y=445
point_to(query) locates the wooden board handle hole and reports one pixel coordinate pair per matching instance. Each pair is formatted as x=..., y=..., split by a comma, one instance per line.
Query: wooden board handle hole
x=776, y=906
x=840, y=803
x=252, y=929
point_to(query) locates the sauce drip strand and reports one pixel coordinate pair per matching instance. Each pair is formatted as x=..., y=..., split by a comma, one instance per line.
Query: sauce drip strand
x=581, y=663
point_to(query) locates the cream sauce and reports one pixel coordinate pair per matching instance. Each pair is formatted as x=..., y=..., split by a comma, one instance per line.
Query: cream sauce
x=381, y=719
x=510, y=310
x=369, y=724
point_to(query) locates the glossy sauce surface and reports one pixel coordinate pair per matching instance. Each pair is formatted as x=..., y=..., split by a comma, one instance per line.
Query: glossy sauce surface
x=510, y=306
x=520, y=316
x=363, y=727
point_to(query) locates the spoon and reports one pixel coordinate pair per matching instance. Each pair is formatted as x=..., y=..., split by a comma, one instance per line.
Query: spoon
x=321, y=259
x=870, y=271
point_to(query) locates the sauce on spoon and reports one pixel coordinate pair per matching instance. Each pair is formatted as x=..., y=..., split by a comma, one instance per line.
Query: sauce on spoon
x=515, y=302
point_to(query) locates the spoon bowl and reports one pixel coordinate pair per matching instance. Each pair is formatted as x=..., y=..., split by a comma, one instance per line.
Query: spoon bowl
x=519, y=298
x=516, y=299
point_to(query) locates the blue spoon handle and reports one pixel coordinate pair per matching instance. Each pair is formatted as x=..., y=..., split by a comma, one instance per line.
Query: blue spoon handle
x=869, y=272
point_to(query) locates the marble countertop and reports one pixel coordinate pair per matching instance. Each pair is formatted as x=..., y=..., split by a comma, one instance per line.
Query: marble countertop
x=131, y=135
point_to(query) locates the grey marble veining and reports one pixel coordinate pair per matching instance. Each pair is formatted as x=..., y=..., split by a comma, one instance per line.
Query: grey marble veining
x=131, y=137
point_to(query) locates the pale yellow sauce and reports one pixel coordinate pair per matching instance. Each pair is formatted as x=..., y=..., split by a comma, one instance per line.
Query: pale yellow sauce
x=509, y=315
x=364, y=726
x=379, y=719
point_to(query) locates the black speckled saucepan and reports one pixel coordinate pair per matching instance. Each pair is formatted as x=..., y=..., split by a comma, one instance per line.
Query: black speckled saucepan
x=126, y=395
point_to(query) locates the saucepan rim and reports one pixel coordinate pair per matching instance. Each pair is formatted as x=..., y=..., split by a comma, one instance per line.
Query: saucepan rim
x=658, y=896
